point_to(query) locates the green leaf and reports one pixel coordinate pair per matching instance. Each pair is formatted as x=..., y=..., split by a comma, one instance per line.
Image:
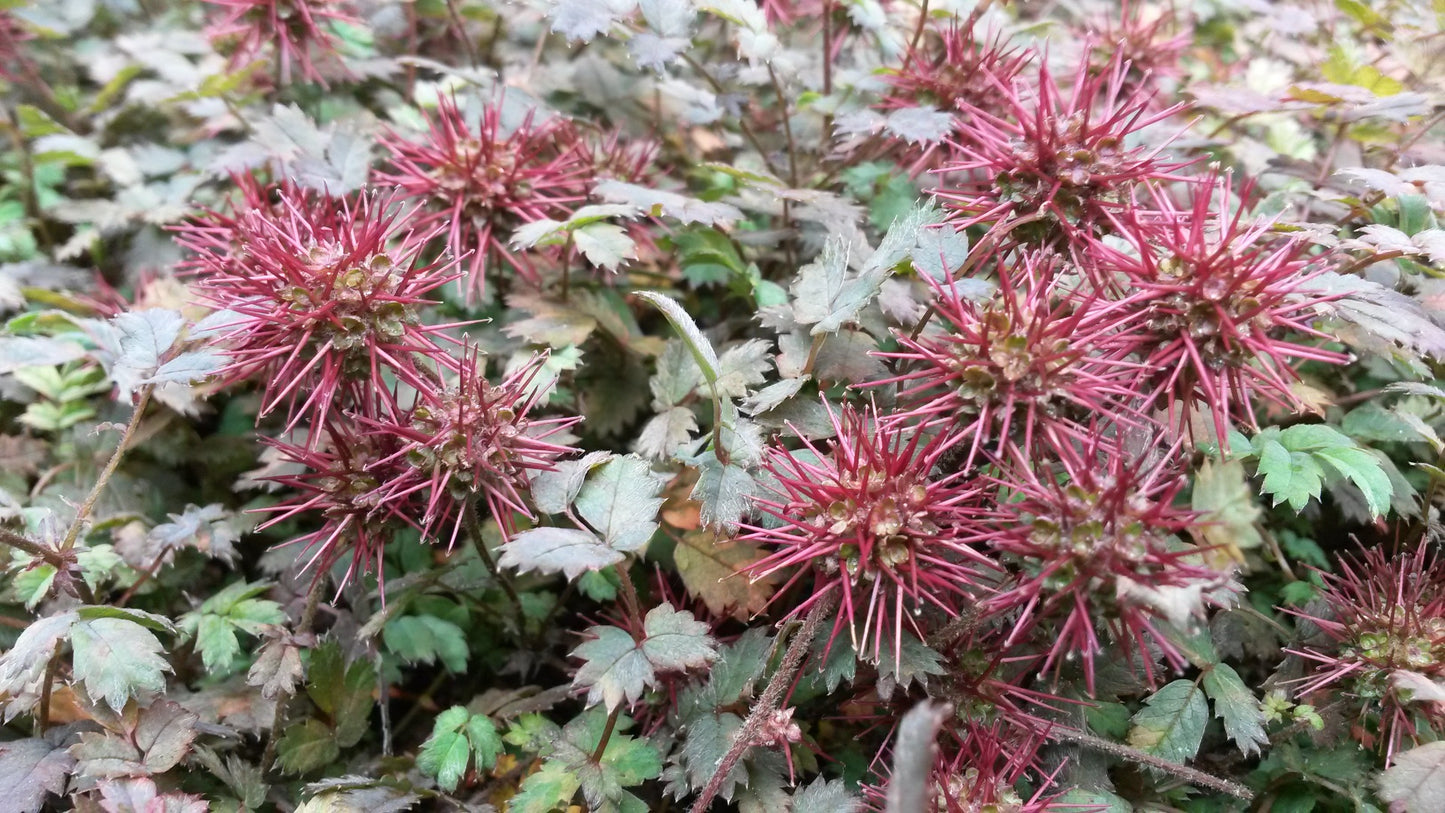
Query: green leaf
x=570, y=551
x=546, y=789
x=1289, y=477
x=116, y=659
x=915, y=662
x=1237, y=705
x=1361, y=467
x=446, y=753
x=341, y=691
x=617, y=667
x=620, y=501
x=215, y=623
x=427, y=639
x=458, y=736
x=1171, y=725
x=1416, y=782
x=307, y=747
x=631, y=760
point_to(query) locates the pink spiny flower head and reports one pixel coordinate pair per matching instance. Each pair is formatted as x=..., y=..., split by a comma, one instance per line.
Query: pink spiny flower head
x=12, y=53
x=1384, y=618
x=478, y=182
x=630, y=160
x=470, y=439
x=985, y=680
x=345, y=483
x=296, y=28
x=960, y=72
x=1032, y=364
x=1224, y=301
x=1059, y=161
x=976, y=769
x=320, y=297
x=870, y=517
x=1094, y=536
x=1148, y=41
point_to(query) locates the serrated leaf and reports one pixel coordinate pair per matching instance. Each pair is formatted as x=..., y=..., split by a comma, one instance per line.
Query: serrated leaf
x=153, y=740
x=341, y=690
x=570, y=551
x=1236, y=704
x=712, y=569
x=723, y=491
x=1362, y=468
x=676, y=641
x=1291, y=477
x=1227, y=511
x=1416, y=782
x=427, y=639
x=605, y=245
x=545, y=789
x=620, y=501
x=116, y=659
x=742, y=367
x=585, y=19
x=616, y=667
x=554, y=490
x=669, y=204
x=826, y=796
x=277, y=669
x=914, y=661
x=940, y=251
x=919, y=125
x=456, y=736
x=30, y=771
x=142, y=338
x=186, y=368
x=666, y=432
x=1171, y=724
x=706, y=739
x=306, y=747
x=23, y=665
x=1379, y=319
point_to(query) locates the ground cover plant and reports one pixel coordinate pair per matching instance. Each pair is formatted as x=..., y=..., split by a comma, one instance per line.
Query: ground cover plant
x=811, y=406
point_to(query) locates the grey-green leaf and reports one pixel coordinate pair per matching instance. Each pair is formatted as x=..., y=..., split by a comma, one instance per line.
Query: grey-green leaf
x=1237, y=705
x=1171, y=724
x=620, y=501
x=569, y=551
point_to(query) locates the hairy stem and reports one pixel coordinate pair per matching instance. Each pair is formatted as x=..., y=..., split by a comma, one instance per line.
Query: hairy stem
x=770, y=699
x=474, y=530
x=88, y=505
x=1115, y=749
